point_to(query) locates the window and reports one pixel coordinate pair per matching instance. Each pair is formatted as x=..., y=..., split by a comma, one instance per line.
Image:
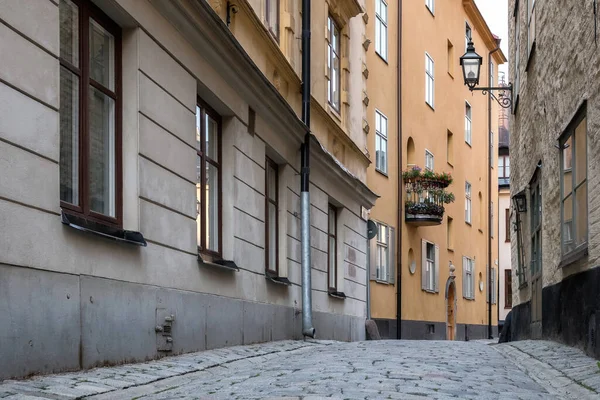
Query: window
x=272, y=17
x=503, y=167
x=468, y=278
x=428, y=160
x=271, y=217
x=380, y=142
x=530, y=26
x=468, y=35
x=507, y=288
x=381, y=28
x=517, y=49
x=574, y=210
x=90, y=113
x=331, y=248
x=430, y=268
x=333, y=65
x=208, y=186
x=468, y=123
x=507, y=225
x=450, y=147
x=451, y=61
x=467, y=202
x=430, y=5
x=382, y=252
x=429, y=81
x=450, y=234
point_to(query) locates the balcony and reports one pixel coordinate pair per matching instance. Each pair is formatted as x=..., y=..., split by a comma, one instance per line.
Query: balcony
x=426, y=196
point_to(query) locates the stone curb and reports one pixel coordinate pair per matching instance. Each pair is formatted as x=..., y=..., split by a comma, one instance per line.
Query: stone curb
x=564, y=371
x=105, y=380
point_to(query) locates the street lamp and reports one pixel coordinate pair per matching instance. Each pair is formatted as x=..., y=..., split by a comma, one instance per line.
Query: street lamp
x=521, y=202
x=471, y=66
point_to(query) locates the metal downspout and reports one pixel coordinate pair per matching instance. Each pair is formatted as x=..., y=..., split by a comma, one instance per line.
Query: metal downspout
x=307, y=326
x=400, y=186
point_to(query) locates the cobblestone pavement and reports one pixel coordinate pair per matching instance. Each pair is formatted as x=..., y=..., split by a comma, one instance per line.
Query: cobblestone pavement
x=317, y=369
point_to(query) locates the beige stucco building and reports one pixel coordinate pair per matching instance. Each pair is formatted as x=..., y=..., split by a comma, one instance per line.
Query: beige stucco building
x=442, y=254
x=165, y=136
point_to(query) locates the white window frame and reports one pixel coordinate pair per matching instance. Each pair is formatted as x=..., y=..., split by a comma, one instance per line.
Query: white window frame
x=384, y=244
x=430, y=4
x=430, y=267
x=381, y=159
x=503, y=166
x=468, y=278
x=468, y=204
x=381, y=28
x=468, y=123
x=429, y=160
x=429, y=80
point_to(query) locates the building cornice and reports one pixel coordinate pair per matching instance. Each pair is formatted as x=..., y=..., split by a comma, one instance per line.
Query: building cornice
x=338, y=131
x=343, y=10
x=275, y=53
x=484, y=30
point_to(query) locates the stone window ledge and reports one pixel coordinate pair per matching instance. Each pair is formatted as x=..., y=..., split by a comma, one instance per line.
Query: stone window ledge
x=219, y=264
x=108, y=232
x=573, y=257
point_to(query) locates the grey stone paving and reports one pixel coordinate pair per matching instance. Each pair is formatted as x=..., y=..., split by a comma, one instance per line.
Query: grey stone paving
x=323, y=369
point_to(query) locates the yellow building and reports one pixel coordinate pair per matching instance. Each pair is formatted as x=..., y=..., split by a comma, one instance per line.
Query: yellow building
x=443, y=258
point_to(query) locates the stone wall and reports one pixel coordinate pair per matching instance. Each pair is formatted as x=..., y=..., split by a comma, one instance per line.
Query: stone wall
x=555, y=79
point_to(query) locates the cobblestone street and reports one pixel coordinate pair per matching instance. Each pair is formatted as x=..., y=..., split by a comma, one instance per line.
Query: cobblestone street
x=316, y=369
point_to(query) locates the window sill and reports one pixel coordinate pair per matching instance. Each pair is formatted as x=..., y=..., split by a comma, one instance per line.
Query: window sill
x=468, y=223
x=429, y=291
x=382, y=282
x=430, y=11
x=278, y=280
x=576, y=255
x=219, y=264
x=507, y=308
x=530, y=56
x=480, y=231
x=450, y=164
x=451, y=250
x=382, y=173
x=382, y=58
x=108, y=232
x=451, y=74
x=523, y=285
x=335, y=113
x=469, y=298
x=430, y=106
x=337, y=295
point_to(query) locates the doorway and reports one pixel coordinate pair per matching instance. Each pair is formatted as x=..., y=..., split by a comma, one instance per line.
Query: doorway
x=450, y=310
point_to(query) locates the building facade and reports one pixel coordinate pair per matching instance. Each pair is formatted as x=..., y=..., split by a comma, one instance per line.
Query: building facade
x=443, y=245
x=554, y=141
x=149, y=199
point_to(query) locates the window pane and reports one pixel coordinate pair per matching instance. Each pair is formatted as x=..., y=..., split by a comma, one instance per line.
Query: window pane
x=383, y=12
x=332, y=266
x=198, y=128
x=272, y=182
x=199, y=201
x=580, y=152
x=212, y=207
x=69, y=137
x=69, y=32
x=581, y=213
x=384, y=41
x=272, y=237
x=568, y=153
x=102, y=172
x=332, y=221
x=568, y=243
x=102, y=55
x=336, y=81
x=212, y=139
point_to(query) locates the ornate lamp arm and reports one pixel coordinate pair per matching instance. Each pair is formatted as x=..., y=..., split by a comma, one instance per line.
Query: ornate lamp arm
x=503, y=100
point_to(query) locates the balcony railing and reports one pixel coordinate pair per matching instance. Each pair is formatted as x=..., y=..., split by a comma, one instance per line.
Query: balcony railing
x=426, y=196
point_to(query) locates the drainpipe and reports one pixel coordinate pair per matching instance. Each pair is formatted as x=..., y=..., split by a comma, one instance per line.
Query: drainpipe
x=400, y=185
x=490, y=219
x=307, y=326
